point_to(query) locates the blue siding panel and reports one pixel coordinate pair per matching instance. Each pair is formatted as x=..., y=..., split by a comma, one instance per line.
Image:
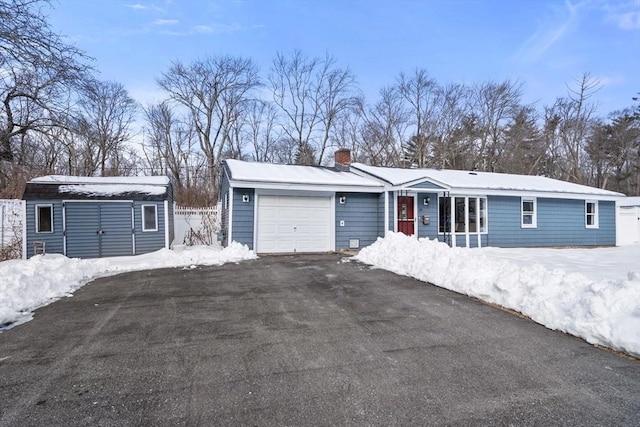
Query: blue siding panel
x=242, y=218
x=430, y=230
x=83, y=224
x=561, y=222
x=427, y=184
x=361, y=216
x=54, y=241
x=224, y=214
x=148, y=241
x=392, y=204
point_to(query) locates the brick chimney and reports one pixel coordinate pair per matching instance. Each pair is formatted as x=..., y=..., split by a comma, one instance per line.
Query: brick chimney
x=343, y=159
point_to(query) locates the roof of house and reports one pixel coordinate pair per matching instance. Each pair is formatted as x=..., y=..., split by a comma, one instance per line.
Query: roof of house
x=466, y=180
x=103, y=188
x=289, y=175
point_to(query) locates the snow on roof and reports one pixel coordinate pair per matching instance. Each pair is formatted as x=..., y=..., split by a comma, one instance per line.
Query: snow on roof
x=111, y=189
x=629, y=201
x=295, y=174
x=107, y=180
x=456, y=179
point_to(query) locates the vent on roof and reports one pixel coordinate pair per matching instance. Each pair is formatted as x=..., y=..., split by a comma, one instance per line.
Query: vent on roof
x=473, y=173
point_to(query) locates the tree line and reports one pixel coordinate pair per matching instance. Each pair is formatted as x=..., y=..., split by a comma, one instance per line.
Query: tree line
x=58, y=118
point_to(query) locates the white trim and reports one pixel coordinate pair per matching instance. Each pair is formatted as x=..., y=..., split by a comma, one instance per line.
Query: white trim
x=307, y=187
x=386, y=213
x=596, y=214
x=37, y=222
x=332, y=236
x=534, y=219
x=256, y=200
x=155, y=209
x=166, y=223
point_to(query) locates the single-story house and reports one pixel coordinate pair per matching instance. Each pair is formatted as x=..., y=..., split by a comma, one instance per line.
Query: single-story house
x=91, y=217
x=628, y=221
x=285, y=208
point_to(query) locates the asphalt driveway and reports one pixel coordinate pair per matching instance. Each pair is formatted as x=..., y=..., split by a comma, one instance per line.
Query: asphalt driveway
x=299, y=340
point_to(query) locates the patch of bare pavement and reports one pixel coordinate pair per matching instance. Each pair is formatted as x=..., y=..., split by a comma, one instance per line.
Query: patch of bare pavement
x=299, y=340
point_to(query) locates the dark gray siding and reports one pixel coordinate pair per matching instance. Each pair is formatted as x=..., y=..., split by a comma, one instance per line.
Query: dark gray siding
x=430, y=230
x=54, y=241
x=392, y=209
x=242, y=217
x=149, y=241
x=224, y=214
x=83, y=224
x=361, y=216
x=381, y=228
x=561, y=222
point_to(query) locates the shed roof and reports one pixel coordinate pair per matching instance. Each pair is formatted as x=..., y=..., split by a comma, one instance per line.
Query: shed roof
x=102, y=188
x=291, y=175
x=494, y=182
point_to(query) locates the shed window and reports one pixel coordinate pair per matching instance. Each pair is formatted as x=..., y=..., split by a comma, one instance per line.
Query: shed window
x=591, y=214
x=529, y=213
x=44, y=218
x=149, y=218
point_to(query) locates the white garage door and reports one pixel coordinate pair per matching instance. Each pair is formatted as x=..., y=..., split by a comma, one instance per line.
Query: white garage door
x=294, y=224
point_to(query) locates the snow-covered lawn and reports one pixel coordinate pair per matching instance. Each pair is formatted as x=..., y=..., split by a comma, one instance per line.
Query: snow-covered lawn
x=590, y=293
x=28, y=284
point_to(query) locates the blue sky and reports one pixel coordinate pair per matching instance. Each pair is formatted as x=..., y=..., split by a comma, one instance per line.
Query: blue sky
x=544, y=44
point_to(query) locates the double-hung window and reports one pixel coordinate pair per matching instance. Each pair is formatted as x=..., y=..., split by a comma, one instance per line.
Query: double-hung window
x=149, y=218
x=529, y=214
x=44, y=218
x=591, y=214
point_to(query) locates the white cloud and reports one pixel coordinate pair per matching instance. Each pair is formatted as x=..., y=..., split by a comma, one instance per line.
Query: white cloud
x=627, y=21
x=216, y=28
x=137, y=6
x=547, y=35
x=165, y=22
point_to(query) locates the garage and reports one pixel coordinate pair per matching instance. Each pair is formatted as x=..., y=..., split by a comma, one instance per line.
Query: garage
x=294, y=224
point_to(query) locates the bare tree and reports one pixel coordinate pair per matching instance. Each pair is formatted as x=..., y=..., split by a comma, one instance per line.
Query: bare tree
x=211, y=91
x=422, y=95
x=311, y=94
x=383, y=130
x=37, y=72
x=106, y=114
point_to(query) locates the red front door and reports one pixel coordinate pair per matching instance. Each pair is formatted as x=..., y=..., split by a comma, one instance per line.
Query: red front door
x=405, y=215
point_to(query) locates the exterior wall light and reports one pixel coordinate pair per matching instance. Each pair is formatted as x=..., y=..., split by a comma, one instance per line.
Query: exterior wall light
x=427, y=200
x=245, y=198
x=343, y=200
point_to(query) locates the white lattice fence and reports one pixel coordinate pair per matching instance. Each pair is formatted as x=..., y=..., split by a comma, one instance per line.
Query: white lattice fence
x=11, y=228
x=195, y=226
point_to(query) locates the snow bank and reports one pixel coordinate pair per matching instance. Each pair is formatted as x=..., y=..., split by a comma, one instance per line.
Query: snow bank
x=602, y=311
x=28, y=284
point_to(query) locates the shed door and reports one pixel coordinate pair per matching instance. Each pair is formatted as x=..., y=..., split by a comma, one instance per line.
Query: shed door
x=98, y=229
x=293, y=224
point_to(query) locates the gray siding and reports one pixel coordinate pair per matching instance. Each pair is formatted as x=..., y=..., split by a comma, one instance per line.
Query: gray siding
x=243, y=213
x=170, y=204
x=431, y=230
x=224, y=214
x=54, y=241
x=381, y=230
x=361, y=216
x=561, y=222
x=392, y=210
x=148, y=241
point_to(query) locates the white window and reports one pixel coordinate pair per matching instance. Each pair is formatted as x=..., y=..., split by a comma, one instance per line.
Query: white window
x=529, y=214
x=149, y=218
x=44, y=218
x=591, y=214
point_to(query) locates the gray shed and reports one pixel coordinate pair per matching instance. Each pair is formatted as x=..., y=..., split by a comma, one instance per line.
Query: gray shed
x=91, y=217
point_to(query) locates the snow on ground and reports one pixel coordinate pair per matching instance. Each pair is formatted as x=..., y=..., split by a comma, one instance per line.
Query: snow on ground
x=29, y=284
x=590, y=293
